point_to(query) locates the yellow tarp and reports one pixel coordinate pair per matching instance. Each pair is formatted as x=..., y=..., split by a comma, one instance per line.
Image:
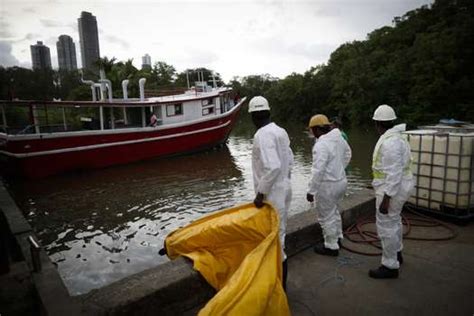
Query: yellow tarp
x=237, y=251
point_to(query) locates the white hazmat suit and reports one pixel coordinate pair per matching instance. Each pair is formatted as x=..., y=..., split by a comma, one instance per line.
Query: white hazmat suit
x=272, y=160
x=391, y=166
x=331, y=155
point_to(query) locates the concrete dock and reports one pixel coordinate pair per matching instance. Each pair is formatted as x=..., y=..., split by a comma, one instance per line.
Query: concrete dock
x=437, y=278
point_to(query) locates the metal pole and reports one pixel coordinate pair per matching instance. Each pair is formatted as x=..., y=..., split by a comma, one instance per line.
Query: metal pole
x=125, y=119
x=4, y=118
x=35, y=119
x=143, y=117
x=46, y=118
x=35, y=254
x=112, y=118
x=101, y=115
x=64, y=119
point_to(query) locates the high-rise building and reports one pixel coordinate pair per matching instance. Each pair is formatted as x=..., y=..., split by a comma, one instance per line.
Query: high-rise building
x=40, y=56
x=146, y=61
x=89, y=39
x=66, y=53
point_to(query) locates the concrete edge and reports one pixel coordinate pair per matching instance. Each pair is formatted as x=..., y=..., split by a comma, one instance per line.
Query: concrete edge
x=52, y=293
x=174, y=287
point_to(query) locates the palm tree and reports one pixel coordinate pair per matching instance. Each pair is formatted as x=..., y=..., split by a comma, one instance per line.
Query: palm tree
x=105, y=63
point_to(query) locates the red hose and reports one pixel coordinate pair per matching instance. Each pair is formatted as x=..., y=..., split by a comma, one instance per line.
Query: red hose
x=356, y=233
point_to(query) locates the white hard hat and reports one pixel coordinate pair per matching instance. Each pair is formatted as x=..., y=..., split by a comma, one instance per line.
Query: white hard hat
x=258, y=104
x=384, y=113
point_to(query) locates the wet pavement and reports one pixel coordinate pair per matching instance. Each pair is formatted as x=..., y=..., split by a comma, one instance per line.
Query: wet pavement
x=435, y=279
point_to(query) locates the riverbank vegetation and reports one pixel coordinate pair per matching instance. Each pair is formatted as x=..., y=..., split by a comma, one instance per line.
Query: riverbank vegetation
x=423, y=65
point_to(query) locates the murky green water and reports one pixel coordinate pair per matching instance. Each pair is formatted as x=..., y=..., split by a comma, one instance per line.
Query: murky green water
x=100, y=226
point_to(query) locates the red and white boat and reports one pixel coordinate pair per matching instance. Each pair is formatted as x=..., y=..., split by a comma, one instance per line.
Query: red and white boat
x=70, y=135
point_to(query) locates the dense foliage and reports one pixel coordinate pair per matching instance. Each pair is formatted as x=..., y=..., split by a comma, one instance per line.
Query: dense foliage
x=423, y=66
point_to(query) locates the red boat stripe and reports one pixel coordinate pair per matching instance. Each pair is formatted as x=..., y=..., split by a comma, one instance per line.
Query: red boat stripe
x=57, y=151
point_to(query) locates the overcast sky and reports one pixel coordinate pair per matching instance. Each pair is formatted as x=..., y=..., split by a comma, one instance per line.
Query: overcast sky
x=235, y=38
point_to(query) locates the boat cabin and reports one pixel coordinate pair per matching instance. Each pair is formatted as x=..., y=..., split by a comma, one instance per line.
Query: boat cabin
x=200, y=102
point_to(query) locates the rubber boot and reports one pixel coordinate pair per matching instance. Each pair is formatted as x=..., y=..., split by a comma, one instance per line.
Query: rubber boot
x=383, y=272
x=285, y=273
x=400, y=257
x=320, y=249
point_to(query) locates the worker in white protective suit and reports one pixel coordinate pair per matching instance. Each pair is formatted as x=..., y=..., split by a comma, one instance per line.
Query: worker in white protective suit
x=393, y=183
x=272, y=160
x=331, y=155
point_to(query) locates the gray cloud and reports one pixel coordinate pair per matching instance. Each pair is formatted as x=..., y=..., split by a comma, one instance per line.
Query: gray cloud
x=116, y=40
x=29, y=10
x=5, y=28
x=201, y=57
x=51, y=23
x=57, y=24
x=315, y=51
x=30, y=37
x=6, y=57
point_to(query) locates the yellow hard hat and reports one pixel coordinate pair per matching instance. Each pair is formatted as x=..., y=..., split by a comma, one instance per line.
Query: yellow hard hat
x=318, y=120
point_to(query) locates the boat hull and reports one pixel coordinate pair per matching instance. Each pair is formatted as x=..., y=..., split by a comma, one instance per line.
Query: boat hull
x=41, y=157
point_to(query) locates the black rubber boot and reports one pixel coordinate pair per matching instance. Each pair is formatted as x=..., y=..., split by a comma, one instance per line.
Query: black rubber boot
x=285, y=273
x=400, y=257
x=320, y=249
x=383, y=272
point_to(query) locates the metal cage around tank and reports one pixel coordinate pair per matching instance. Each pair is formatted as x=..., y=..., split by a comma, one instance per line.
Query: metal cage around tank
x=443, y=166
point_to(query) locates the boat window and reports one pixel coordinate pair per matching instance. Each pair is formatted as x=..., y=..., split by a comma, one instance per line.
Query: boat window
x=207, y=111
x=207, y=106
x=174, y=109
x=207, y=102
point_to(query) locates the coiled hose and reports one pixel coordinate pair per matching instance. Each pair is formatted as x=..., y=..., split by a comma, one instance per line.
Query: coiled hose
x=357, y=233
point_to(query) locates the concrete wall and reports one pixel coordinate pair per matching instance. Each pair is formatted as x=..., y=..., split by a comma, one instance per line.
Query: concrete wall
x=51, y=296
x=174, y=288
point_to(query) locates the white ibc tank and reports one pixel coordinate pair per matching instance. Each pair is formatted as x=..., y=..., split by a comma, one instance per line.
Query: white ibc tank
x=443, y=168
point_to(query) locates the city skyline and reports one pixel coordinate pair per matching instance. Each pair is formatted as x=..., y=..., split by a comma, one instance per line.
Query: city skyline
x=233, y=38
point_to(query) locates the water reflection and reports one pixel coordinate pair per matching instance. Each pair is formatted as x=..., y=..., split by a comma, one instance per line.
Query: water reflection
x=100, y=226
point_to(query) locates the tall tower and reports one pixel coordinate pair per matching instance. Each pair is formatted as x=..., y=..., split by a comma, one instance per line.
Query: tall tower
x=146, y=61
x=89, y=39
x=66, y=53
x=40, y=56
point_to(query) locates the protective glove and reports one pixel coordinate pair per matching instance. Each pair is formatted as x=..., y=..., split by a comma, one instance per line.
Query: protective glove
x=310, y=198
x=383, y=208
x=163, y=251
x=258, y=200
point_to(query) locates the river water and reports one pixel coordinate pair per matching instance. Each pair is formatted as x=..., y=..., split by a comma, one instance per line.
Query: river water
x=102, y=225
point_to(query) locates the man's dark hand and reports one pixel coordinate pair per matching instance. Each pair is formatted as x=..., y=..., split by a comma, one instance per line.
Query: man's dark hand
x=383, y=208
x=259, y=200
x=310, y=197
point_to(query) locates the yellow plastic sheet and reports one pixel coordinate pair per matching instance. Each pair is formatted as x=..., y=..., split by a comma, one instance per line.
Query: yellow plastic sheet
x=237, y=251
